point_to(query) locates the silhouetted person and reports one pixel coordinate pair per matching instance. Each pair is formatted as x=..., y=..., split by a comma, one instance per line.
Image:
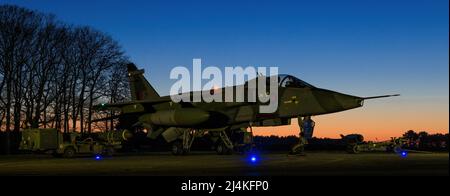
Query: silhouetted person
x=306, y=131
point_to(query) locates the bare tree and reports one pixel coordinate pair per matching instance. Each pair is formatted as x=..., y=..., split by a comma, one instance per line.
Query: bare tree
x=52, y=74
x=18, y=26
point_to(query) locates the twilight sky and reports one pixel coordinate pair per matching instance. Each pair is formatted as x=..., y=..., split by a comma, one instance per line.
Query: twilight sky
x=363, y=48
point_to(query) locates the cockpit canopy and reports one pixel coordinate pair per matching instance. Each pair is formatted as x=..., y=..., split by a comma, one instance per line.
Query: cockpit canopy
x=285, y=80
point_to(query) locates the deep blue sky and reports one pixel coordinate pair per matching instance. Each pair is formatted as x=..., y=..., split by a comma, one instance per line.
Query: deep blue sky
x=358, y=47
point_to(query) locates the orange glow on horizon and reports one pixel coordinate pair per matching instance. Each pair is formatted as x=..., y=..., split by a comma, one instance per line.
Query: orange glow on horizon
x=378, y=120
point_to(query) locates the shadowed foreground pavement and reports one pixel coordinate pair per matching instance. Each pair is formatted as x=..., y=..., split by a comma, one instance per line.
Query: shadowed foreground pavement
x=206, y=164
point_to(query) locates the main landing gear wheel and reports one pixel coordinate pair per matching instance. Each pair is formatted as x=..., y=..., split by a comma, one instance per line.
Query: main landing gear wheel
x=223, y=150
x=177, y=148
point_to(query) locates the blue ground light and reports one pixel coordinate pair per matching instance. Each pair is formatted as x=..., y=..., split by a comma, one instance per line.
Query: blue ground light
x=98, y=157
x=404, y=154
x=253, y=159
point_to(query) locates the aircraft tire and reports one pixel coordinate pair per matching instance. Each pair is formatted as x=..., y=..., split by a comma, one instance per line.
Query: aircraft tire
x=177, y=148
x=223, y=150
x=220, y=149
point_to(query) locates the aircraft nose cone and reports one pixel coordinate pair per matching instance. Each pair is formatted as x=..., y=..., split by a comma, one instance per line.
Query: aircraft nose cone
x=331, y=101
x=349, y=101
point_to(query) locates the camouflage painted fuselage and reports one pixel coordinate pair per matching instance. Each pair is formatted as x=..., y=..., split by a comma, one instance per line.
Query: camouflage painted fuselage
x=292, y=103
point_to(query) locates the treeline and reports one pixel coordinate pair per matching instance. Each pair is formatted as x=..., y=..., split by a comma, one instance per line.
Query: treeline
x=425, y=141
x=52, y=73
x=414, y=141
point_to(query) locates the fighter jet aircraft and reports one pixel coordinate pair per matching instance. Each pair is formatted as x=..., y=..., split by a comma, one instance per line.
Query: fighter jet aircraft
x=179, y=123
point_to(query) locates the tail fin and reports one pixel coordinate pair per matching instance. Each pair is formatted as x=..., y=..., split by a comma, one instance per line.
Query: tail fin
x=139, y=86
